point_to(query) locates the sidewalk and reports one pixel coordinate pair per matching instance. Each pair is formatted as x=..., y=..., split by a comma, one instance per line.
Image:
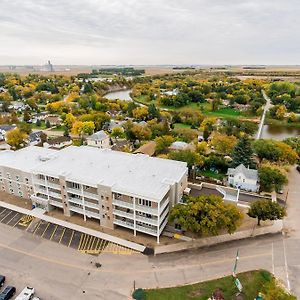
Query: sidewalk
x=38, y=213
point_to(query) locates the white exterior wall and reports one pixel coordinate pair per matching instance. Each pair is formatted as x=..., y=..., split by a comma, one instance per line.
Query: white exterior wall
x=102, y=144
x=239, y=180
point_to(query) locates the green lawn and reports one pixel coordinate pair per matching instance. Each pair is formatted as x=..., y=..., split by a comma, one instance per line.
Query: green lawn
x=181, y=125
x=209, y=173
x=205, y=108
x=43, y=126
x=58, y=128
x=252, y=282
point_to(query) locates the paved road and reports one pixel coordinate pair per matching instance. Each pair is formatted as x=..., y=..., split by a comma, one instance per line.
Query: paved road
x=262, y=120
x=24, y=259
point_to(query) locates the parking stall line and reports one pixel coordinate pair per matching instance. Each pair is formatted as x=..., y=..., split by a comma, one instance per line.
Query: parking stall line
x=53, y=232
x=18, y=221
x=71, y=238
x=16, y=215
x=45, y=229
x=6, y=216
x=62, y=235
x=3, y=211
x=80, y=241
x=37, y=227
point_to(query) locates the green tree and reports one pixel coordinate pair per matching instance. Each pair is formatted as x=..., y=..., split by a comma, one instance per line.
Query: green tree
x=117, y=132
x=38, y=123
x=190, y=157
x=153, y=112
x=48, y=125
x=242, y=153
x=24, y=127
x=207, y=215
x=294, y=142
x=163, y=142
x=26, y=116
x=271, y=178
x=275, y=151
x=266, y=210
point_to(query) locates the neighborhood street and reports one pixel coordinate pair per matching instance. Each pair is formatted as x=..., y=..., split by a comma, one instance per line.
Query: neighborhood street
x=24, y=259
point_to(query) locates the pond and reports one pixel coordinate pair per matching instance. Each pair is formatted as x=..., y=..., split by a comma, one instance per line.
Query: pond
x=278, y=132
x=121, y=95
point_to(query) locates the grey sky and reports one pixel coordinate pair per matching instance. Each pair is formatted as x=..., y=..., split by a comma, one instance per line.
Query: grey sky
x=150, y=31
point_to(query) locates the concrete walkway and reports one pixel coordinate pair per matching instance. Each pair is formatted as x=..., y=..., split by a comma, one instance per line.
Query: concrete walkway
x=262, y=120
x=38, y=213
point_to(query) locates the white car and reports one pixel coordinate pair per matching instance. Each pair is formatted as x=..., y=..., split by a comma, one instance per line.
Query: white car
x=26, y=294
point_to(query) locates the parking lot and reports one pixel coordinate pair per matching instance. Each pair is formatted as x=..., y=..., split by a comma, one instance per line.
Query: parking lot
x=70, y=238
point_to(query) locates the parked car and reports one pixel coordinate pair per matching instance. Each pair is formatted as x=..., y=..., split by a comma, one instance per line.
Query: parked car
x=2, y=280
x=26, y=294
x=8, y=293
x=298, y=168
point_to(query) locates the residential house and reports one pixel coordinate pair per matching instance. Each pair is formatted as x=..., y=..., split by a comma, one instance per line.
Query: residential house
x=99, y=139
x=36, y=138
x=178, y=145
x=53, y=120
x=58, y=142
x=147, y=149
x=243, y=178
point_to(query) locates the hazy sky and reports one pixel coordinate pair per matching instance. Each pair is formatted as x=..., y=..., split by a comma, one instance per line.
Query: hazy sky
x=150, y=31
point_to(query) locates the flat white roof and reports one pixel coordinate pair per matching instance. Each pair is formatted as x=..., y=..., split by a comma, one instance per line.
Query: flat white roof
x=135, y=174
x=25, y=159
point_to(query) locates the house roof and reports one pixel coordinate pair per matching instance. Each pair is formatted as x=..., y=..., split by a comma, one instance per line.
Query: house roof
x=248, y=173
x=99, y=136
x=58, y=140
x=138, y=174
x=178, y=145
x=148, y=148
x=7, y=127
x=35, y=136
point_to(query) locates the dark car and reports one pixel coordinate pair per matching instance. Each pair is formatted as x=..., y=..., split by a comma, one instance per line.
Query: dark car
x=8, y=292
x=298, y=168
x=2, y=280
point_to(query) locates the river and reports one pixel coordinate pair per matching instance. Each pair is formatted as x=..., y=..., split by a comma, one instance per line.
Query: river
x=279, y=132
x=121, y=95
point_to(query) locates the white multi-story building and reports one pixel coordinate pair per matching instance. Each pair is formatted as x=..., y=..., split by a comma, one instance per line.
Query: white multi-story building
x=114, y=188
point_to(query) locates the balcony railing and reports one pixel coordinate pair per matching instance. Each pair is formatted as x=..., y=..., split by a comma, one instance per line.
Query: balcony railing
x=146, y=230
x=147, y=209
x=91, y=195
x=122, y=203
x=123, y=214
x=74, y=191
x=56, y=203
x=146, y=220
x=123, y=223
x=163, y=206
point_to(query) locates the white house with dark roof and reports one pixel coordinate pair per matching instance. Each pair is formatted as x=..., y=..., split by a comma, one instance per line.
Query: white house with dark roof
x=99, y=139
x=243, y=178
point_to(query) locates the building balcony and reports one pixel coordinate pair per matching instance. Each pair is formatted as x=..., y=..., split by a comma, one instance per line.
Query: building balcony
x=56, y=203
x=123, y=223
x=76, y=209
x=163, y=206
x=146, y=209
x=74, y=191
x=163, y=225
x=75, y=200
x=122, y=203
x=91, y=195
x=123, y=214
x=91, y=205
x=164, y=215
x=146, y=230
x=91, y=214
x=146, y=220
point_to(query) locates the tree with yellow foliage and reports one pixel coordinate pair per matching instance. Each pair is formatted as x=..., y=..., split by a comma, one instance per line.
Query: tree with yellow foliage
x=16, y=138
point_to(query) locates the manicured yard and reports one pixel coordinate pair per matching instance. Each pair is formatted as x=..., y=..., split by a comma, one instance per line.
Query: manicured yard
x=225, y=112
x=58, y=128
x=209, y=173
x=181, y=125
x=252, y=282
x=43, y=126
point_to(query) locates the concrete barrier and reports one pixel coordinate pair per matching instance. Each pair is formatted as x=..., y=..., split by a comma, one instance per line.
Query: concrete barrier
x=210, y=241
